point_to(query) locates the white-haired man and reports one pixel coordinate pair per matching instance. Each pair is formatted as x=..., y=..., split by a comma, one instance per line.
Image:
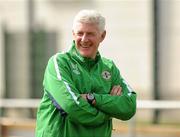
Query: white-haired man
x=82, y=90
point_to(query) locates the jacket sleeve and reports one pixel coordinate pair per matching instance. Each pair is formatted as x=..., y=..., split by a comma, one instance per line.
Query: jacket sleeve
x=121, y=107
x=58, y=82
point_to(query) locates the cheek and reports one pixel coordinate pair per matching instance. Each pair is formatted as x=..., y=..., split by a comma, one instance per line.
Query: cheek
x=77, y=40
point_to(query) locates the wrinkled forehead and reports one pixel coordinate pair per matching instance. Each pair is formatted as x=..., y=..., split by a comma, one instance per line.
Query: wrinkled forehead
x=85, y=26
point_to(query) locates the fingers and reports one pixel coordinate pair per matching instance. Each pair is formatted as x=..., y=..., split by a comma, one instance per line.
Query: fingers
x=119, y=91
x=116, y=90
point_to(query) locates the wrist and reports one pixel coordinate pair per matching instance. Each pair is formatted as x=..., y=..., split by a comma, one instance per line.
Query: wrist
x=91, y=99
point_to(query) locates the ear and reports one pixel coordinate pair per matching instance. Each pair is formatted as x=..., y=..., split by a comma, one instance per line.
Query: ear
x=73, y=33
x=103, y=35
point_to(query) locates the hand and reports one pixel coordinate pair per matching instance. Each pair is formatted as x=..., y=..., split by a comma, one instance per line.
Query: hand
x=84, y=96
x=116, y=90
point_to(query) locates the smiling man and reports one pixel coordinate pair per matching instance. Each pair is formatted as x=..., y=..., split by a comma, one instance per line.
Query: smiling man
x=88, y=35
x=82, y=90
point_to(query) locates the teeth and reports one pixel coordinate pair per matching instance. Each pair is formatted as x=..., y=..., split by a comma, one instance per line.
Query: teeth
x=85, y=46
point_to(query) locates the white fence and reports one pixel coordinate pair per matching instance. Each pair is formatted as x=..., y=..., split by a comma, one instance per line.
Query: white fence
x=141, y=104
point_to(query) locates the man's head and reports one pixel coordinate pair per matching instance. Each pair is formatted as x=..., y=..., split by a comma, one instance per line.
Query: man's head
x=88, y=32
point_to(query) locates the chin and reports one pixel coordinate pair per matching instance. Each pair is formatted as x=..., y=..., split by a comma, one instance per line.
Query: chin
x=85, y=54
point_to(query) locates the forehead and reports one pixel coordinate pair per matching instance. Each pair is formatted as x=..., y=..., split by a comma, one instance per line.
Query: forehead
x=86, y=27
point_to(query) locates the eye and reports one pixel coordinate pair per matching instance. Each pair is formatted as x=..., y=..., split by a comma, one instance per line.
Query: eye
x=79, y=33
x=91, y=34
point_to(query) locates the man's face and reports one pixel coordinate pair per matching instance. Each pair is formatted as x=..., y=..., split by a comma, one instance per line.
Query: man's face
x=87, y=39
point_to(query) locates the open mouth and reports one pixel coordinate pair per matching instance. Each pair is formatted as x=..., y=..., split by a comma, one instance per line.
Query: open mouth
x=85, y=46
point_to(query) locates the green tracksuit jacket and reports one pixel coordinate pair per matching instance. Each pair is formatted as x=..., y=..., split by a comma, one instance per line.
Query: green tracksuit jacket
x=66, y=77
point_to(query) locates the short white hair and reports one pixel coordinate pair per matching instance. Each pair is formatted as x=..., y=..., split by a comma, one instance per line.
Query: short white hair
x=90, y=16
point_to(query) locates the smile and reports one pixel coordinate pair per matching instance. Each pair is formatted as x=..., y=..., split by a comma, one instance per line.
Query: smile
x=85, y=46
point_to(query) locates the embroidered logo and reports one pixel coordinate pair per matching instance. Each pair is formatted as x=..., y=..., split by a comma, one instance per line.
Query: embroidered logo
x=106, y=75
x=75, y=68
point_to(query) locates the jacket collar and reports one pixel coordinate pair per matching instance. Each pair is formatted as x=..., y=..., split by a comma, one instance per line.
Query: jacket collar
x=83, y=60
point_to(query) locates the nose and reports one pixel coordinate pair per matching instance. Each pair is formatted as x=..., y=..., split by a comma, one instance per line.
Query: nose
x=84, y=38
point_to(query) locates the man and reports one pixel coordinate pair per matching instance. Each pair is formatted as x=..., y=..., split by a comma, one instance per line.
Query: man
x=82, y=90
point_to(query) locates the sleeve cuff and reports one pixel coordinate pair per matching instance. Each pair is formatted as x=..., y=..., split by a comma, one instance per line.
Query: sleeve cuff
x=98, y=99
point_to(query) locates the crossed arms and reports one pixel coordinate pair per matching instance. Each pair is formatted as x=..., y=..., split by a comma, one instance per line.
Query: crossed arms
x=120, y=103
